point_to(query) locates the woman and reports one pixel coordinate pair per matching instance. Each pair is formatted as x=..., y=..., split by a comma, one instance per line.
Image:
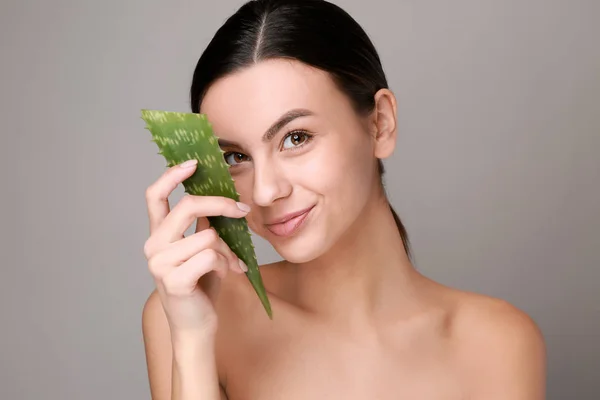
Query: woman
x=297, y=94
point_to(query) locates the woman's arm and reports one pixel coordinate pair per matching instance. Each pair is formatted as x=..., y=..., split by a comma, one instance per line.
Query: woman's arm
x=179, y=369
x=194, y=370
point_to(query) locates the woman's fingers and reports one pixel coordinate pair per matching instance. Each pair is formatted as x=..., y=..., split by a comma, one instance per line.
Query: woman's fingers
x=187, y=269
x=190, y=208
x=167, y=249
x=157, y=194
x=179, y=252
x=183, y=280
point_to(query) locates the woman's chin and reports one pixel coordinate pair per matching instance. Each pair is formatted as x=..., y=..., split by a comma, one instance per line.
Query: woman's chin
x=302, y=250
x=296, y=256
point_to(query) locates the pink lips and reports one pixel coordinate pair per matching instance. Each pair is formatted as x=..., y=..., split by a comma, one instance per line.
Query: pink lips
x=290, y=226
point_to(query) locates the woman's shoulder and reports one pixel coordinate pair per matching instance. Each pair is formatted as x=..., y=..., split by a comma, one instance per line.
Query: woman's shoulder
x=500, y=347
x=487, y=319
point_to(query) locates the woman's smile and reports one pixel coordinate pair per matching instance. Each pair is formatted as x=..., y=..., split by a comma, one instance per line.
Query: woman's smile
x=290, y=224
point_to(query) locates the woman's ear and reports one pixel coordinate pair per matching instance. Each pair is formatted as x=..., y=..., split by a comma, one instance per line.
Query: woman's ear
x=384, y=124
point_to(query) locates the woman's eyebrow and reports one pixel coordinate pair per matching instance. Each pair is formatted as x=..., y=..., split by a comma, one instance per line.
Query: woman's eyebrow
x=285, y=119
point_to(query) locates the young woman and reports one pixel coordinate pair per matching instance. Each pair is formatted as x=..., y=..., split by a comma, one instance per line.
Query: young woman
x=296, y=92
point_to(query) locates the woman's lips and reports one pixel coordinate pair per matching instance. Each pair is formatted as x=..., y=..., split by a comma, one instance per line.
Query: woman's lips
x=290, y=226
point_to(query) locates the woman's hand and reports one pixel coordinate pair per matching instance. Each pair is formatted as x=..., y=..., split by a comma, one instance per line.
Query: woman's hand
x=187, y=270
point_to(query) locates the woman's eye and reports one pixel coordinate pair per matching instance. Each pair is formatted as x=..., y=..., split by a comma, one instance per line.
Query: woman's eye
x=296, y=139
x=233, y=158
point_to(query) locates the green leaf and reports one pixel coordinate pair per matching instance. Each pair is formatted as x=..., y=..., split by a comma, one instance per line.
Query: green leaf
x=185, y=136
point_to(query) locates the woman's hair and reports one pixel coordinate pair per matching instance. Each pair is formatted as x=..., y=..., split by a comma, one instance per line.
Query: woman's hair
x=314, y=32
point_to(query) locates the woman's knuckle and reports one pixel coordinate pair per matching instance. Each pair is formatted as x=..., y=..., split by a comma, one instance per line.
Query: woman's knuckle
x=151, y=191
x=187, y=204
x=186, y=201
x=205, y=237
x=211, y=255
x=154, y=267
x=148, y=246
x=211, y=235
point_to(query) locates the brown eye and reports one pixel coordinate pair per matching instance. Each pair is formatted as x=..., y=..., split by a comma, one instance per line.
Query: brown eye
x=296, y=139
x=234, y=158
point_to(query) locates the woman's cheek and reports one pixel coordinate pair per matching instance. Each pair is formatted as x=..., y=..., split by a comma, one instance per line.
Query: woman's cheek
x=354, y=174
x=243, y=185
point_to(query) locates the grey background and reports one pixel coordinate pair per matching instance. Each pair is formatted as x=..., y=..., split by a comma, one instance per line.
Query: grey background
x=496, y=174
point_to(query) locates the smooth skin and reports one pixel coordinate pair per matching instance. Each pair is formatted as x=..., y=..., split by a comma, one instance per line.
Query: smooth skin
x=352, y=318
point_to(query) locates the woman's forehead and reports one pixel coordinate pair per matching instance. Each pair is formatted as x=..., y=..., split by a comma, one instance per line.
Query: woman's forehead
x=282, y=84
x=254, y=98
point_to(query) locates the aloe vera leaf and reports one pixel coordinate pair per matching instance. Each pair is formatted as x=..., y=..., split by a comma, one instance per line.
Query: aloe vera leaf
x=184, y=136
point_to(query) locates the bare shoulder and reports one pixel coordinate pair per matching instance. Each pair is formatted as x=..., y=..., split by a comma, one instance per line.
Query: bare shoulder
x=501, y=350
x=154, y=321
x=487, y=318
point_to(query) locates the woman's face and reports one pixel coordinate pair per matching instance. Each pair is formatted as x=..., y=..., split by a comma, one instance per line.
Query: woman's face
x=294, y=143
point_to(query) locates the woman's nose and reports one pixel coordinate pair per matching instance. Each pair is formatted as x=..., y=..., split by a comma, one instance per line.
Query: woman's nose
x=270, y=184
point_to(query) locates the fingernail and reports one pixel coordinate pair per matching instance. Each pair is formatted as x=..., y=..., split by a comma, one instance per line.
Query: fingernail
x=188, y=163
x=243, y=265
x=243, y=207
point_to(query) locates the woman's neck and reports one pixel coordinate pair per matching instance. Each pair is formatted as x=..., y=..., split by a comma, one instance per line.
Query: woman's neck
x=363, y=277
